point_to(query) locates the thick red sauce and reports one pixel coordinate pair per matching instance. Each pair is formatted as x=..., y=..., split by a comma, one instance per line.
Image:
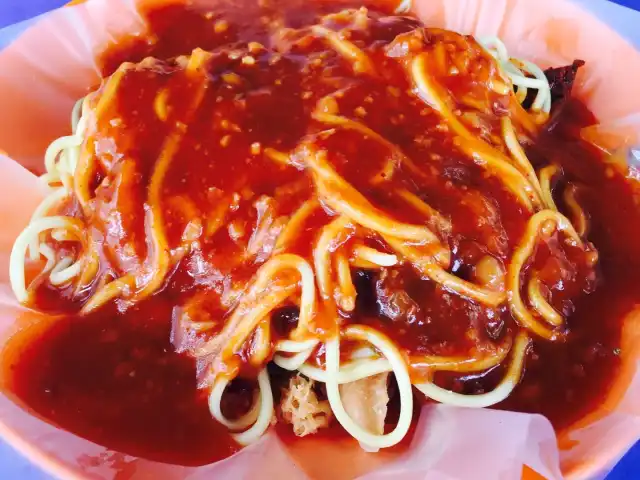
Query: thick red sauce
x=116, y=380
x=114, y=376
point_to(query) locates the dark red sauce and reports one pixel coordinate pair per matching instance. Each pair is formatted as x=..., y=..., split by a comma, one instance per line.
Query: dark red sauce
x=116, y=380
x=566, y=381
x=114, y=376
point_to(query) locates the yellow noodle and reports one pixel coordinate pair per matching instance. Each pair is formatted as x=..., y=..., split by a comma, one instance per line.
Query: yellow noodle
x=475, y=363
x=502, y=391
x=360, y=61
x=347, y=297
x=322, y=254
x=117, y=288
x=517, y=153
x=540, y=304
x=159, y=248
x=84, y=169
x=521, y=254
x=371, y=255
x=432, y=270
x=297, y=220
x=546, y=174
x=483, y=154
x=261, y=342
x=263, y=297
x=278, y=156
x=344, y=198
x=579, y=217
x=443, y=224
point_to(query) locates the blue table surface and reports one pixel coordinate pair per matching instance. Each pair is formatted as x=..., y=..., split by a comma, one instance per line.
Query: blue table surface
x=12, y=465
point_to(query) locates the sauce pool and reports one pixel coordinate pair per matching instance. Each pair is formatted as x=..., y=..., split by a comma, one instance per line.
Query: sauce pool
x=116, y=380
